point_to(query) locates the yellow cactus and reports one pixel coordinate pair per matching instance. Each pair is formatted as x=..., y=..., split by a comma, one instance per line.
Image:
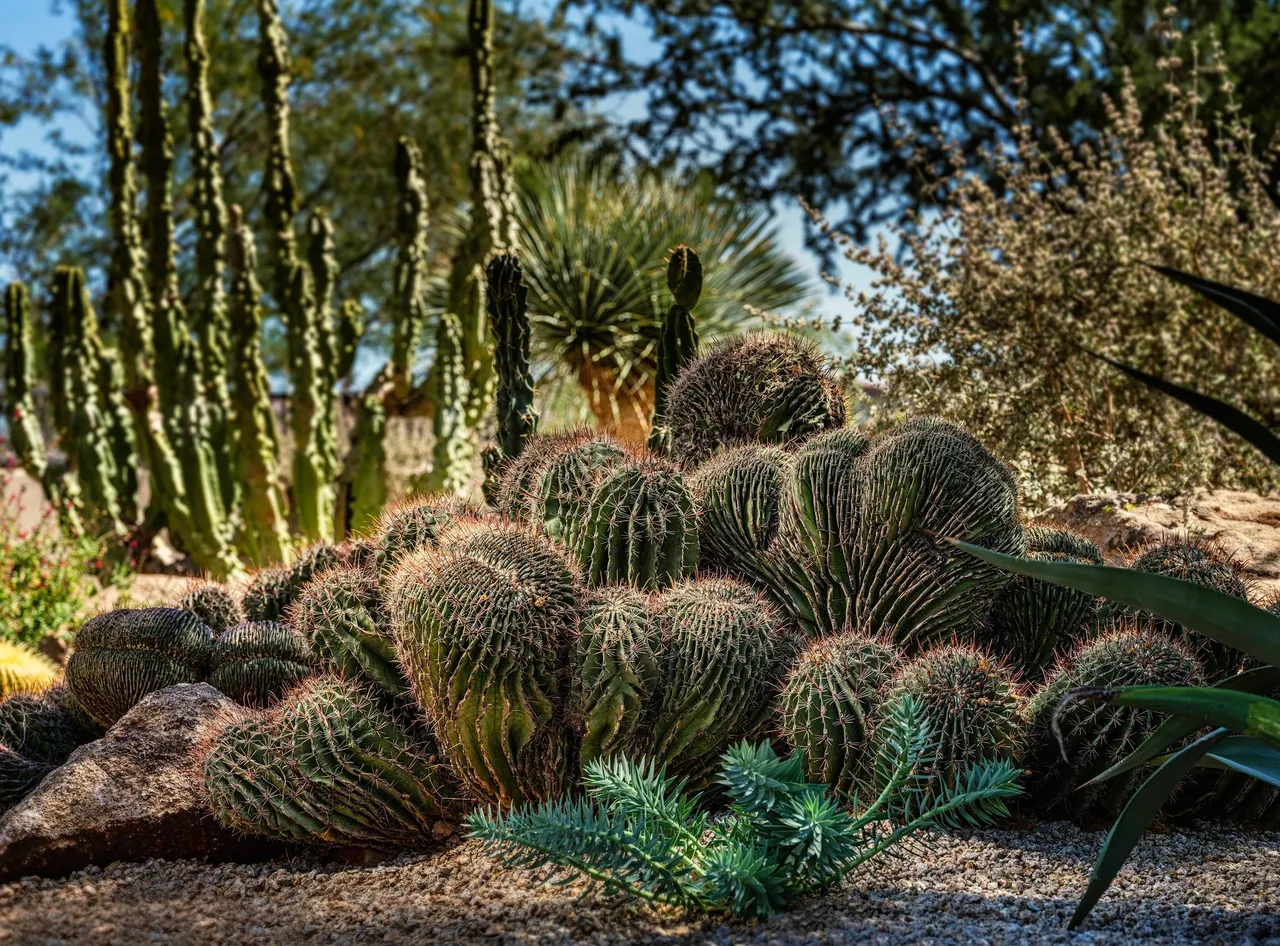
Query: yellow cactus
x=23, y=670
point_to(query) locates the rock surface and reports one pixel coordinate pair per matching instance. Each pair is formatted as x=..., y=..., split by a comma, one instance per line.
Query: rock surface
x=1245, y=524
x=129, y=796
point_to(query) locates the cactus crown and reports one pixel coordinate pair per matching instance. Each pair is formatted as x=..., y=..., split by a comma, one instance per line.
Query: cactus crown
x=412, y=525
x=213, y=604
x=684, y=277
x=257, y=663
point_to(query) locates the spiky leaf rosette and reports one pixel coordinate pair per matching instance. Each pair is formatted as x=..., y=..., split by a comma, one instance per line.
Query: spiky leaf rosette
x=971, y=702
x=213, y=604
x=739, y=495
x=1203, y=563
x=1031, y=618
x=639, y=527
x=256, y=663
x=723, y=655
x=485, y=624
x=617, y=679
x=341, y=617
x=412, y=525
x=328, y=765
x=23, y=670
x=121, y=656
x=925, y=480
x=1095, y=736
x=828, y=703
x=766, y=388
x=569, y=461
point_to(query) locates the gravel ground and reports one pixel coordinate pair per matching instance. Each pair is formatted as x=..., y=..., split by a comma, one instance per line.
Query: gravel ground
x=994, y=886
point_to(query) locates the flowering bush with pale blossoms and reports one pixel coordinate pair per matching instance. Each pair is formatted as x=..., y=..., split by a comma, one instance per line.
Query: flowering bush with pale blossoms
x=984, y=317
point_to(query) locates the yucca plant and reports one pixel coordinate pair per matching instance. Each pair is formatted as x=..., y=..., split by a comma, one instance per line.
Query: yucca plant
x=639, y=832
x=1235, y=725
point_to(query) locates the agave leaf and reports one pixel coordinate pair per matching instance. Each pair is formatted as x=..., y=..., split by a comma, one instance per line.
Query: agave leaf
x=1248, y=756
x=1227, y=620
x=1261, y=315
x=1247, y=713
x=1173, y=731
x=1135, y=818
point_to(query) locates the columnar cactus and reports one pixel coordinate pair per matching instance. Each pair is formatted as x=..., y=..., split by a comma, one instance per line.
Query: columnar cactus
x=1093, y=738
x=23, y=670
x=363, y=492
x=322, y=262
x=617, y=678
x=678, y=343
x=828, y=703
x=451, y=456
x=329, y=766
x=213, y=604
x=765, y=388
x=411, y=264
x=505, y=297
x=971, y=703
x=121, y=656
x=484, y=625
x=258, y=663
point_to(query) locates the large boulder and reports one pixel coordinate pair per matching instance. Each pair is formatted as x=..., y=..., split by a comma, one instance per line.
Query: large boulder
x=1245, y=524
x=132, y=795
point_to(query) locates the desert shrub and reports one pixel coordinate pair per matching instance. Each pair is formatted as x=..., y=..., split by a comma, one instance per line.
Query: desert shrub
x=982, y=317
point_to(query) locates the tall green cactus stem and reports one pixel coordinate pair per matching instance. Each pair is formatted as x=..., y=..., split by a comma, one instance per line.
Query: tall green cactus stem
x=506, y=297
x=121, y=656
x=484, y=625
x=723, y=655
x=277, y=184
x=451, y=457
x=25, y=435
x=411, y=265
x=1095, y=738
x=257, y=664
x=78, y=409
x=828, y=703
x=209, y=298
x=639, y=528
x=264, y=534
x=678, y=343
x=120, y=438
x=364, y=490
x=323, y=264
x=179, y=376
x=617, y=679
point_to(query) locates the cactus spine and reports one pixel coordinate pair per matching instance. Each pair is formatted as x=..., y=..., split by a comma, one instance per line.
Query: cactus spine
x=506, y=297
x=678, y=343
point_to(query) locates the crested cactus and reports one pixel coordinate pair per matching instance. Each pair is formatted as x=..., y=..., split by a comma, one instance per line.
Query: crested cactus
x=1095, y=738
x=257, y=664
x=213, y=604
x=484, y=625
x=723, y=654
x=828, y=703
x=328, y=765
x=1030, y=618
x=970, y=701
x=639, y=527
x=341, y=617
x=505, y=296
x=761, y=387
x=617, y=679
x=23, y=670
x=678, y=342
x=121, y=656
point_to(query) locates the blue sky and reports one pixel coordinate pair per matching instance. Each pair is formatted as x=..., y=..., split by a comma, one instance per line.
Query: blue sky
x=31, y=23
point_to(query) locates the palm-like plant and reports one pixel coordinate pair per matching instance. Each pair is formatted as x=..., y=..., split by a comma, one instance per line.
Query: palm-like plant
x=593, y=242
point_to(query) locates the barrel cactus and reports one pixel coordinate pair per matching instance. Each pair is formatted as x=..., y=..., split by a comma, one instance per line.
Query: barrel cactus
x=828, y=703
x=739, y=495
x=37, y=734
x=213, y=604
x=121, y=656
x=764, y=388
x=553, y=474
x=1030, y=618
x=23, y=670
x=484, y=625
x=1095, y=738
x=411, y=525
x=970, y=701
x=256, y=663
x=272, y=591
x=329, y=765
x=617, y=679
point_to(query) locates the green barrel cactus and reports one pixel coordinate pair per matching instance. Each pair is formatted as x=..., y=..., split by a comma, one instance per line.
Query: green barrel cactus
x=257, y=663
x=723, y=655
x=617, y=679
x=828, y=703
x=567, y=481
x=739, y=496
x=329, y=765
x=341, y=617
x=925, y=480
x=121, y=656
x=485, y=624
x=272, y=591
x=970, y=700
x=765, y=388
x=1094, y=738
x=213, y=604
x=639, y=527
x=412, y=525
x=1030, y=618
x=37, y=734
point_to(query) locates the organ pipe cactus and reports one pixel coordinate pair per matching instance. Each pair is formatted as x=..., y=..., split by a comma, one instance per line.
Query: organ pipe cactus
x=213, y=604
x=678, y=342
x=505, y=297
x=484, y=625
x=411, y=264
x=363, y=493
x=121, y=656
x=258, y=663
x=451, y=456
